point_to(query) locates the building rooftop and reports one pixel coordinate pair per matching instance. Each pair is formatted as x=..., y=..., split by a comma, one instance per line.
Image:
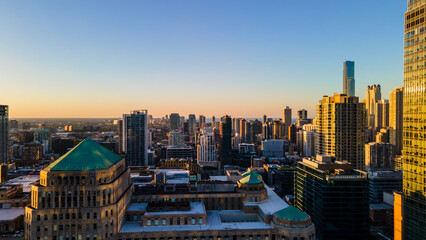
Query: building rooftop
x=195, y=208
x=271, y=205
x=26, y=181
x=8, y=214
x=214, y=222
x=251, y=177
x=292, y=213
x=87, y=155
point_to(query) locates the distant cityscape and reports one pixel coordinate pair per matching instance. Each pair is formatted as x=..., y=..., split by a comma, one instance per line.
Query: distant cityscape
x=357, y=170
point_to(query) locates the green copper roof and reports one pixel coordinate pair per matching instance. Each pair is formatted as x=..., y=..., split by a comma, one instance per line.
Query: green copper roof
x=292, y=213
x=87, y=155
x=251, y=178
x=249, y=172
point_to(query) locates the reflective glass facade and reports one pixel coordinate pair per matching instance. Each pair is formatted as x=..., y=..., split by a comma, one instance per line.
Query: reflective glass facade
x=414, y=122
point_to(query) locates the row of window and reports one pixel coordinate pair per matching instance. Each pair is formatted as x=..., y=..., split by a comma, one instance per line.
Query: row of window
x=156, y=222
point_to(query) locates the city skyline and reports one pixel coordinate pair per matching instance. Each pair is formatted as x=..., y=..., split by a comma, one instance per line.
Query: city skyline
x=100, y=60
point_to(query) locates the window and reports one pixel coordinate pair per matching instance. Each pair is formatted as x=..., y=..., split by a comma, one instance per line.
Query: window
x=156, y=222
x=193, y=221
x=200, y=221
x=163, y=221
x=148, y=222
x=171, y=221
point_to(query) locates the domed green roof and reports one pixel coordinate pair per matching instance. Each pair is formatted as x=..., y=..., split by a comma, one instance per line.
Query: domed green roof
x=251, y=177
x=291, y=213
x=87, y=155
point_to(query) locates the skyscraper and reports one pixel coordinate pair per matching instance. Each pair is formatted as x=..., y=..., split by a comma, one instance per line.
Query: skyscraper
x=302, y=114
x=395, y=118
x=226, y=143
x=381, y=115
x=373, y=96
x=174, y=121
x=414, y=117
x=336, y=197
x=192, y=124
x=202, y=121
x=349, y=78
x=4, y=133
x=340, y=124
x=286, y=119
x=136, y=137
x=207, y=150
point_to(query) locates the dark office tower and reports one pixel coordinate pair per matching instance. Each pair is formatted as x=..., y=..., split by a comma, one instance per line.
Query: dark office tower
x=251, y=131
x=192, y=124
x=120, y=137
x=286, y=119
x=202, y=121
x=226, y=143
x=349, y=78
x=4, y=133
x=264, y=118
x=302, y=114
x=213, y=121
x=335, y=196
x=136, y=137
x=414, y=119
x=292, y=130
x=174, y=121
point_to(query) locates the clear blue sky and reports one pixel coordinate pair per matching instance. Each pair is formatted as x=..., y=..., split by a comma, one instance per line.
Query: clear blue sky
x=243, y=58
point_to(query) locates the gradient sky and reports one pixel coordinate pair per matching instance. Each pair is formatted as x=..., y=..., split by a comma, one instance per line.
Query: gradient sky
x=244, y=58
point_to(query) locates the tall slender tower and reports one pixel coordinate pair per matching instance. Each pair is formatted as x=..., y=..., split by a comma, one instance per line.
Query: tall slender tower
x=374, y=95
x=414, y=123
x=4, y=133
x=395, y=118
x=174, y=121
x=136, y=137
x=349, y=78
x=286, y=119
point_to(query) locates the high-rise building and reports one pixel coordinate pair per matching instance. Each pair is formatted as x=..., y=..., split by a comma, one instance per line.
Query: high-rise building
x=226, y=135
x=174, y=121
x=302, y=114
x=395, y=118
x=82, y=195
x=292, y=130
x=349, y=78
x=378, y=156
x=340, y=122
x=286, y=119
x=4, y=134
x=175, y=138
x=373, y=96
x=43, y=137
x=242, y=132
x=251, y=131
x=202, y=121
x=381, y=115
x=136, y=137
x=335, y=196
x=207, y=149
x=192, y=124
x=414, y=124
x=308, y=144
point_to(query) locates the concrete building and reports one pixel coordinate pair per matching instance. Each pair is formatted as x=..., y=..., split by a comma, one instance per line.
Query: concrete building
x=192, y=124
x=302, y=114
x=202, y=121
x=395, y=118
x=381, y=115
x=349, y=78
x=136, y=137
x=178, y=152
x=378, y=156
x=175, y=121
x=308, y=144
x=341, y=126
x=272, y=148
x=175, y=138
x=335, y=196
x=4, y=134
x=43, y=137
x=246, y=148
x=207, y=153
x=373, y=96
x=83, y=194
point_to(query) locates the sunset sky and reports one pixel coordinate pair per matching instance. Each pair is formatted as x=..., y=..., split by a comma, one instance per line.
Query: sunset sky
x=242, y=58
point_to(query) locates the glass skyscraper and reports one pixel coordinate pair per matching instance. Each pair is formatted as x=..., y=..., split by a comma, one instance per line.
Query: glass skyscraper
x=135, y=139
x=414, y=122
x=349, y=78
